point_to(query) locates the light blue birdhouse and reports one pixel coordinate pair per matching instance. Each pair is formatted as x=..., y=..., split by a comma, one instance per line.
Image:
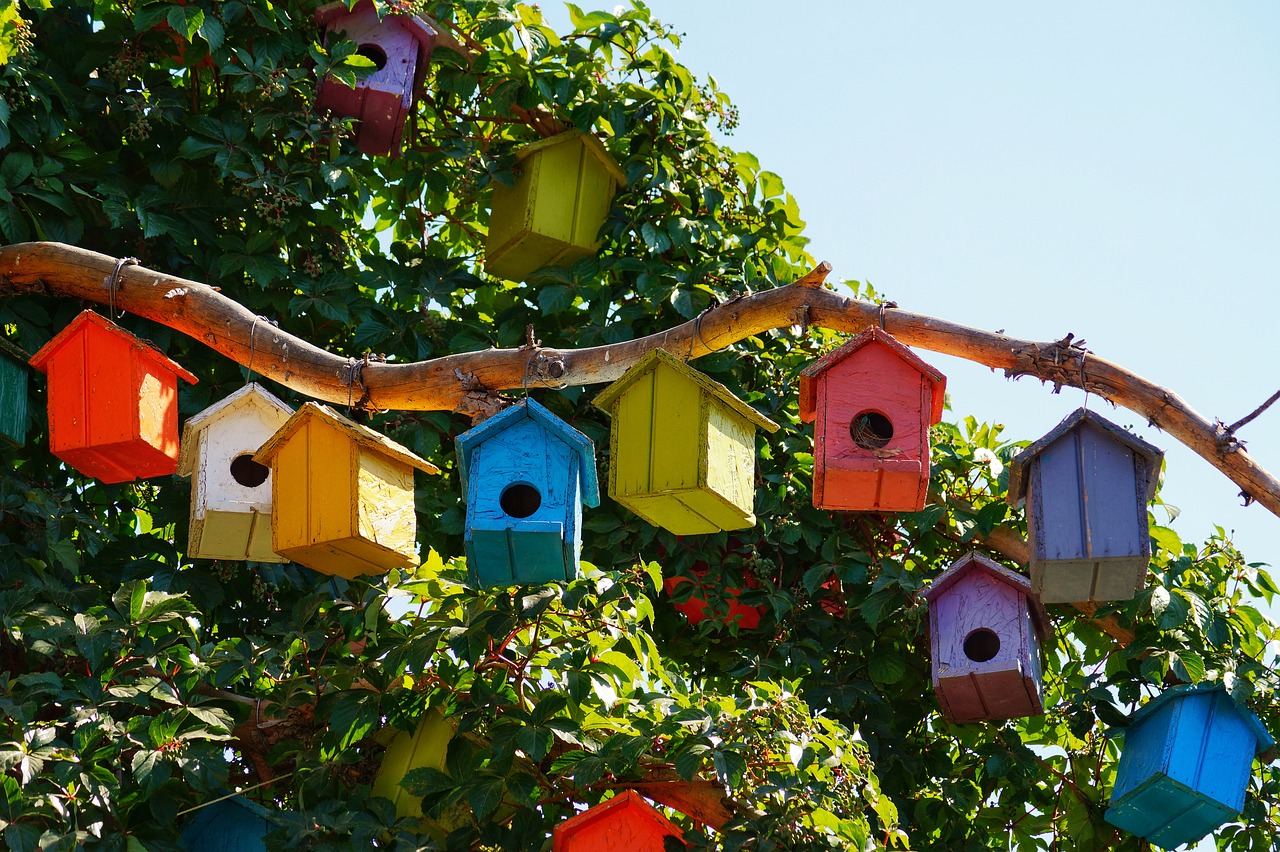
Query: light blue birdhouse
x=1185, y=765
x=525, y=475
x=231, y=825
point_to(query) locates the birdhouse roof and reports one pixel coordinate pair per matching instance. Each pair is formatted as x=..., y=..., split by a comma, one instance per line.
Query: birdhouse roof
x=362, y=435
x=974, y=561
x=12, y=350
x=252, y=396
x=41, y=358
x=425, y=31
x=1247, y=716
x=658, y=357
x=626, y=806
x=592, y=144
x=555, y=428
x=810, y=375
x=1017, y=467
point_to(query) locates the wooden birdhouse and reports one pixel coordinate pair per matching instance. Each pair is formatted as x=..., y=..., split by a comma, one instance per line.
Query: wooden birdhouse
x=871, y=403
x=985, y=631
x=13, y=394
x=553, y=214
x=400, y=47
x=682, y=448
x=625, y=823
x=230, y=492
x=426, y=747
x=231, y=825
x=525, y=475
x=696, y=609
x=1086, y=486
x=1185, y=765
x=341, y=495
x=113, y=401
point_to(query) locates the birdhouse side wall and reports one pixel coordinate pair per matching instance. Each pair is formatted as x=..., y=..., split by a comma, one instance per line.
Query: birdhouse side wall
x=157, y=420
x=426, y=747
x=387, y=518
x=1148, y=745
x=1212, y=749
x=873, y=379
x=13, y=401
x=730, y=465
x=313, y=497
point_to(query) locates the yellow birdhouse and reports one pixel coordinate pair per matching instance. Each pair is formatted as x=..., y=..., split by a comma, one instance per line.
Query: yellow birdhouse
x=426, y=747
x=342, y=495
x=682, y=447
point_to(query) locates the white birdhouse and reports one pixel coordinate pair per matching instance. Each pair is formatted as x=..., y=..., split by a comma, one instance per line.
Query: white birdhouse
x=230, y=492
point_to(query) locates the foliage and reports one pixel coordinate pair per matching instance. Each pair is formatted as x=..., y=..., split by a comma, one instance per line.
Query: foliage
x=137, y=684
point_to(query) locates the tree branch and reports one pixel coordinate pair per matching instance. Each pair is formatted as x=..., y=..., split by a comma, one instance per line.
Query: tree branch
x=447, y=383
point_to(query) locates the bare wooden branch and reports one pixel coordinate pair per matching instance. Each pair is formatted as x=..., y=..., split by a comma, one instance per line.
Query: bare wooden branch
x=199, y=311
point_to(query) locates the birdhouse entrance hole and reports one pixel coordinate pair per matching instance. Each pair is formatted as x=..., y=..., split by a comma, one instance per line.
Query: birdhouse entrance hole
x=871, y=430
x=981, y=645
x=248, y=472
x=374, y=54
x=520, y=500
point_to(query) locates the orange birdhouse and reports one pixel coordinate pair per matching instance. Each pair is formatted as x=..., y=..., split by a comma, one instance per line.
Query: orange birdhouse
x=625, y=823
x=871, y=402
x=113, y=401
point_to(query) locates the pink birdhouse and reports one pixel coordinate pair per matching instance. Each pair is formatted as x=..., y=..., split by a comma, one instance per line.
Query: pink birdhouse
x=985, y=630
x=872, y=402
x=625, y=823
x=400, y=46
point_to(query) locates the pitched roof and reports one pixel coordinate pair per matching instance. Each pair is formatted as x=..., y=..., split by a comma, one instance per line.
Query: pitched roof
x=1017, y=467
x=13, y=351
x=628, y=802
x=41, y=358
x=659, y=357
x=1250, y=719
x=590, y=142
x=252, y=395
x=972, y=561
x=559, y=430
x=362, y=435
x=873, y=334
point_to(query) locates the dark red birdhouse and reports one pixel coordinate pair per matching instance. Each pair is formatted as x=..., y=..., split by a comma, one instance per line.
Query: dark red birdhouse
x=400, y=47
x=871, y=402
x=625, y=823
x=113, y=401
x=696, y=608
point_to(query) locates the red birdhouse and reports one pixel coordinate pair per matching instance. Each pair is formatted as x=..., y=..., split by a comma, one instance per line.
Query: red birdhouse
x=872, y=402
x=696, y=609
x=113, y=401
x=400, y=47
x=625, y=823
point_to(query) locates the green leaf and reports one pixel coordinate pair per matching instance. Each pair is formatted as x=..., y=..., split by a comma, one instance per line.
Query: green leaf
x=484, y=796
x=886, y=668
x=185, y=20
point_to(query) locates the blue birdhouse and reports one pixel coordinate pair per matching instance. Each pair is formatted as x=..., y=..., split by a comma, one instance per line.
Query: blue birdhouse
x=231, y=825
x=525, y=475
x=1185, y=765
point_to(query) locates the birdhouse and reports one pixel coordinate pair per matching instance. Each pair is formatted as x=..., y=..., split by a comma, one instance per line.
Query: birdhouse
x=399, y=45
x=696, y=609
x=682, y=448
x=1185, y=765
x=553, y=214
x=525, y=475
x=113, y=401
x=13, y=394
x=985, y=630
x=426, y=747
x=230, y=492
x=1086, y=486
x=230, y=825
x=871, y=403
x=341, y=495
x=625, y=823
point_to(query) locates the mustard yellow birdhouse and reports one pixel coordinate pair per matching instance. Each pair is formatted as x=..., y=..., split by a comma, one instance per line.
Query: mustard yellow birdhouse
x=682, y=448
x=342, y=495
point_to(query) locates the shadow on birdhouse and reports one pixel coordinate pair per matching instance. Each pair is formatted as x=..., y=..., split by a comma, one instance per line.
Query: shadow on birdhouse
x=399, y=46
x=231, y=825
x=682, y=448
x=341, y=495
x=113, y=401
x=871, y=403
x=230, y=492
x=525, y=476
x=1185, y=765
x=553, y=214
x=13, y=394
x=1086, y=486
x=985, y=631
x=625, y=823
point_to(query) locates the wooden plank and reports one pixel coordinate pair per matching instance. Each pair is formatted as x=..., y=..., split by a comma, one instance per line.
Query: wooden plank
x=290, y=495
x=730, y=459
x=676, y=432
x=631, y=443
x=331, y=481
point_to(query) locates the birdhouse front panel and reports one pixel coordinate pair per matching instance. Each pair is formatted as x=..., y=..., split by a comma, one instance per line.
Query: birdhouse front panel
x=13, y=395
x=625, y=823
x=231, y=825
x=426, y=747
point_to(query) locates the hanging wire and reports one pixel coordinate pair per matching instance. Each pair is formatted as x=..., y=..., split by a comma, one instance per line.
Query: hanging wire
x=112, y=282
x=252, y=344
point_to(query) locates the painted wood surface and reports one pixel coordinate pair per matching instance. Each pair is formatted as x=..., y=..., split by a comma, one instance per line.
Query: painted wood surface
x=985, y=631
x=231, y=825
x=1185, y=765
x=426, y=747
x=13, y=394
x=230, y=506
x=342, y=495
x=553, y=214
x=1086, y=485
x=625, y=823
x=401, y=45
x=682, y=448
x=696, y=609
x=871, y=374
x=113, y=401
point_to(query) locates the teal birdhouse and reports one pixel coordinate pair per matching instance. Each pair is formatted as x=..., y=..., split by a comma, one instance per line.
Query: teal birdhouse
x=525, y=475
x=13, y=394
x=231, y=825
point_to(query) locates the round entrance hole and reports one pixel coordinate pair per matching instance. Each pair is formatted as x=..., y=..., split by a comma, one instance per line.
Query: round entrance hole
x=871, y=430
x=248, y=472
x=374, y=54
x=981, y=645
x=520, y=500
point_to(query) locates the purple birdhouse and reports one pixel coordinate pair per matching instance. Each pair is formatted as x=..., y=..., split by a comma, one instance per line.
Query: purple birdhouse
x=985, y=631
x=400, y=47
